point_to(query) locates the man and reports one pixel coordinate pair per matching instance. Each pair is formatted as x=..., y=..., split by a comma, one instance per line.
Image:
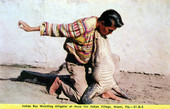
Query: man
x=80, y=46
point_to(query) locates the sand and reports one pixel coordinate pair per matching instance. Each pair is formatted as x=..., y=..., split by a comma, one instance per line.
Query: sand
x=144, y=88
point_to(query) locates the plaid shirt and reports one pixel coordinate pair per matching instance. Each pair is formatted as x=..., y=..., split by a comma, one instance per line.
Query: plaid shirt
x=79, y=34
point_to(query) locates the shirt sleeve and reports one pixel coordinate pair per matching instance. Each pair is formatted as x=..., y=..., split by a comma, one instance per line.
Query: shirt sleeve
x=75, y=29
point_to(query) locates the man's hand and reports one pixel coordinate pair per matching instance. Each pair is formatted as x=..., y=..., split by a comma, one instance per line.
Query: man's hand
x=26, y=27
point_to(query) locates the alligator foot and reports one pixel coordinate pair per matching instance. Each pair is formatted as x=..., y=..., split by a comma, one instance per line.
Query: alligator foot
x=122, y=93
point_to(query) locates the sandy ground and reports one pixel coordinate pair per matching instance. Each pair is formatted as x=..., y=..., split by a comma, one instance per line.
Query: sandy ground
x=145, y=89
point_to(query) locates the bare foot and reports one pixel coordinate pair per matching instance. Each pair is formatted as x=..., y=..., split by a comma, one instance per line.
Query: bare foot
x=105, y=95
x=109, y=94
x=56, y=84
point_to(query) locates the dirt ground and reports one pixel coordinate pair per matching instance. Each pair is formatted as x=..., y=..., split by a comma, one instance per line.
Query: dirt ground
x=144, y=88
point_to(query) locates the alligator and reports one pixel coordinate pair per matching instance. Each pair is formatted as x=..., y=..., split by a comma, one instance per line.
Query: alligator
x=103, y=71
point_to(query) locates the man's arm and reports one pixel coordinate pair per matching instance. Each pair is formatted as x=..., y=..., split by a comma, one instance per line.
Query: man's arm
x=26, y=27
x=71, y=30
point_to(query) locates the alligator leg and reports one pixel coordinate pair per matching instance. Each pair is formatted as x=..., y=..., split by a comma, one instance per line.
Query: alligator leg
x=89, y=93
x=122, y=93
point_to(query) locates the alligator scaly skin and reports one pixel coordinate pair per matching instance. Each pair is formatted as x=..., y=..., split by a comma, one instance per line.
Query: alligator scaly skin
x=103, y=72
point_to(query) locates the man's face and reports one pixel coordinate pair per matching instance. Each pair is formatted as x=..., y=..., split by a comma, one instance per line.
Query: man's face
x=104, y=30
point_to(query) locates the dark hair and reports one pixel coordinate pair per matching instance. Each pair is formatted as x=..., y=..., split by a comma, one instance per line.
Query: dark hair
x=110, y=15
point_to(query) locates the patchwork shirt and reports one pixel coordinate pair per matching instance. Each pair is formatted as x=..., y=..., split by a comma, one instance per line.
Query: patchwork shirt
x=79, y=36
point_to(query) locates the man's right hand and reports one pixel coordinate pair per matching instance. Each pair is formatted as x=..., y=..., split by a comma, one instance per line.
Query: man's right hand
x=26, y=27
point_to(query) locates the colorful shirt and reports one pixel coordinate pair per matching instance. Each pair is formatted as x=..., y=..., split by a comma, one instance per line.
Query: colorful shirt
x=79, y=34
